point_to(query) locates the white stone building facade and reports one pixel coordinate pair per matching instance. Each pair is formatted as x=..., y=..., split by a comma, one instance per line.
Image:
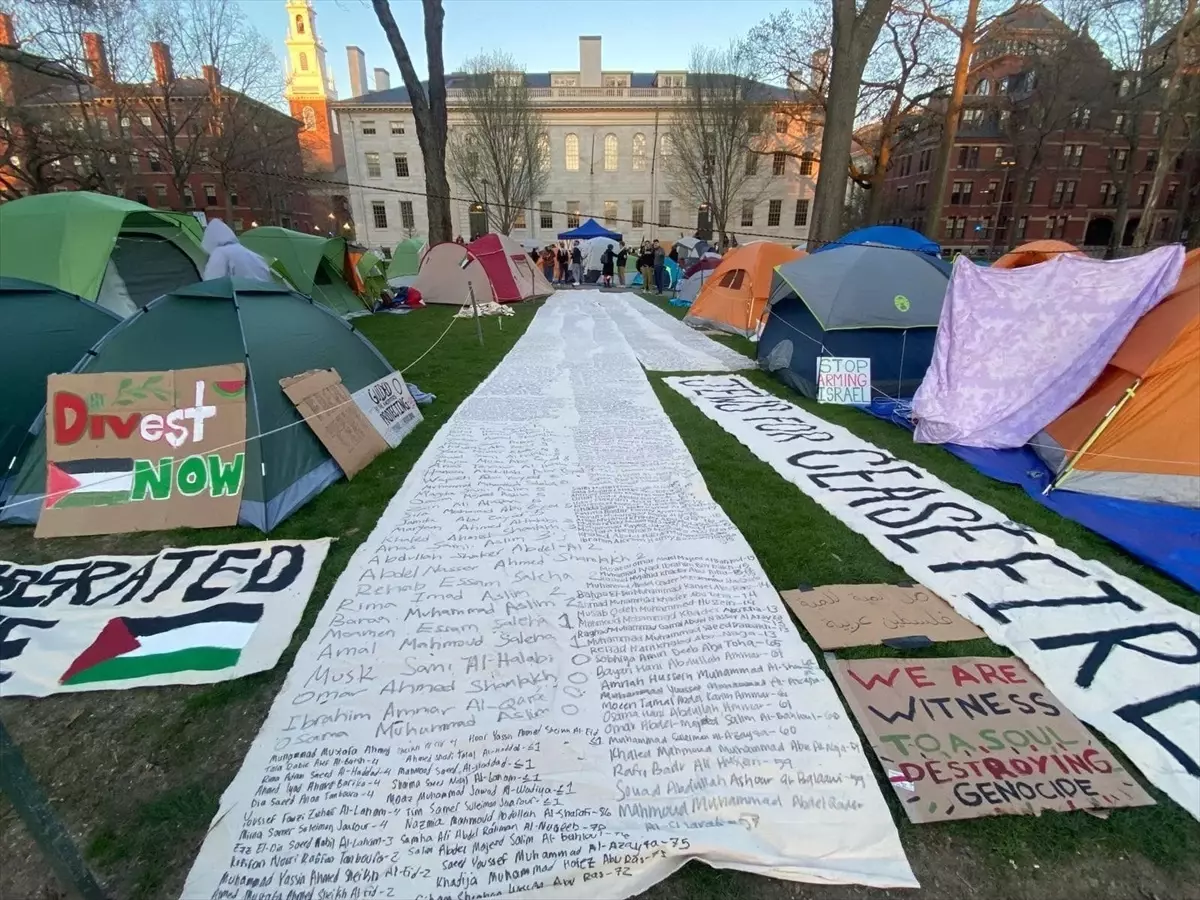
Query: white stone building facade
x=607, y=132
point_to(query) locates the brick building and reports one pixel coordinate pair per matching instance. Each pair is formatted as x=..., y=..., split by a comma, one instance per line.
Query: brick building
x=172, y=142
x=1052, y=143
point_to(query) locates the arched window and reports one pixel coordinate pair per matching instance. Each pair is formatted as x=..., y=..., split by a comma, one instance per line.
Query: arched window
x=303, y=62
x=572, y=152
x=983, y=88
x=610, y=153
x=639, y=152
x=299, y=24
x=665, y=145
x=310, y=118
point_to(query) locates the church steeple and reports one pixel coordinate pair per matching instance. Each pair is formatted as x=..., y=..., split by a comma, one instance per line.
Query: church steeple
x=310, y=88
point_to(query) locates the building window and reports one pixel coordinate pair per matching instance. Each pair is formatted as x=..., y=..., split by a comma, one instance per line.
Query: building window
x=125, y=125
x=397, y=127
x=968, y=157
x=310, y=118
x=925, y=160
x=985, y=227
x=368, y=127
x=993, y=191
x=373, y=169
x=238, y=226
x=1119, y=123
x=379, y=214
x=299, y=24
x=140, y=196
x=1107, y=195
x=664, y=212
x=160, y=194
x=1022, y=226
x=1119, y=159
x=303, y=62
x=401, y=160
x=1069, y=194
x=1164, y=227
x=751, y=163
x=960, y=194
x=210, y=195
x=747, y=213
x=572, y=214
x=135, y=162
x=801, y=218
x=547, y=214
x=1172, y=189
x=638, y=213
x=774, y=212
x=778, y=162
x=919, y=194
x=806, y=163
x=571, y=148
x=146, y=121
x=1029, y=189
x=155, y=162
x=1151, y=160
x=1141, y=194
x=610, y=153
x=189, y=199
x=956, y=227
x=610, y=212
x=983, y=88
x=1072, y=155
x=519, y=218
x=407, y=221
x=781, y=125
x=1081, y=117
x=1056, y=198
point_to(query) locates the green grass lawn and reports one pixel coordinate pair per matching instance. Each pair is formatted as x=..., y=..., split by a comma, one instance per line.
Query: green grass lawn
x=137, y=774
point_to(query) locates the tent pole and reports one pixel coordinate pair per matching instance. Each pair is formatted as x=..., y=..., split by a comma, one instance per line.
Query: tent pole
x=1093, y=437
x=475, y=309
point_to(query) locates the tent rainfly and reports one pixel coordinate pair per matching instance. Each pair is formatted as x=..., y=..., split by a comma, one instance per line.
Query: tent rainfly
x=317, y=266
x=406, y=258
x=452, y=275
x=589, y=229
x=511, y=272
x=896, y=236
x=735, y=292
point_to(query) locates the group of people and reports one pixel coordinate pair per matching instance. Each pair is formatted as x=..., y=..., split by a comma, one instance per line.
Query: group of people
x=563, y=263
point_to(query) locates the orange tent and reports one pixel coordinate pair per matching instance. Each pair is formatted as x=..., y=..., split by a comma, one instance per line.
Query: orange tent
x=1135, y=433
x=1033, y=253
x=736, y=291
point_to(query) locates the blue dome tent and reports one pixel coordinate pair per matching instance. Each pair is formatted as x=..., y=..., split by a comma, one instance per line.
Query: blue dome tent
x=589, y=229
x=886, y=236
x=864, y=301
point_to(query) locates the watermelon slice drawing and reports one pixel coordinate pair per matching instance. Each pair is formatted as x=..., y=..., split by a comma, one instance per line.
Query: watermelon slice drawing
x=230, y=389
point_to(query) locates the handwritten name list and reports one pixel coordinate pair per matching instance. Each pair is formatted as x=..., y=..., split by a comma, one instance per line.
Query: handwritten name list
x=554, y=669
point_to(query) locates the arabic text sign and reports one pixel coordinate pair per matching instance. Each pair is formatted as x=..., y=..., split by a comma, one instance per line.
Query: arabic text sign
x=144, y=451
x=183, y=616
x=1117, y=654
x=967, y=737
x=843, y=379
x=853, y=615
x=390, y=406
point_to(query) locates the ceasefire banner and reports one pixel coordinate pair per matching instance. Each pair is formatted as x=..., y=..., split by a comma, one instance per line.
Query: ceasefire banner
x=144, y=451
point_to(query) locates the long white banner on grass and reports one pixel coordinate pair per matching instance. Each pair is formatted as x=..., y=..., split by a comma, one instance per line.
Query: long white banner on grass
x=1121, y=657
x=662, y=343
x=554, y=669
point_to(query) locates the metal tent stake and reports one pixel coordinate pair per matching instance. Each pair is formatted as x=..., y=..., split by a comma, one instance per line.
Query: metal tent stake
x=475, y=307
x=51, y=836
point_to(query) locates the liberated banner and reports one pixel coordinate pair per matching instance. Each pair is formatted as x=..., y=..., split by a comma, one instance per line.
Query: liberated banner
x=662, y=343
x=855, y=615
x=968, y=737
x=187, y=616
x=1116, y=654
x=555, y=669
x=144, y=451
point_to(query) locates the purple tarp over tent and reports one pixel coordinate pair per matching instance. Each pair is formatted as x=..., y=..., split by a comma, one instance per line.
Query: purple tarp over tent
x=1016, y=347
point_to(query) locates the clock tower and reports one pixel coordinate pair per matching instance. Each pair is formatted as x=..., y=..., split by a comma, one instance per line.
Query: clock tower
x=310, y=89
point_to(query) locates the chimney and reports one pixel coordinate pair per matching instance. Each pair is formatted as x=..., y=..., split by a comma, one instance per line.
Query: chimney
x=212, y=77
x=7, y=37
x=383, y=81
x=358, y=71
x=161, y=54
x=589, y=60
x=97, y=59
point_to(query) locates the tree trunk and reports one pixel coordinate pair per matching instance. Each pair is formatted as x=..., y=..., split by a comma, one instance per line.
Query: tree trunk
x=941, y=169
x=429, y=111
x=853, y=37
x=875, y=201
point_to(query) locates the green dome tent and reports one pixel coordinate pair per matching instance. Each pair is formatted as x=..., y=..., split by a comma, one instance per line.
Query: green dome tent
x=277, y=333
x=315, y=265
x=108, y=249
x=44, y=331
x=373, y=271
x=406, y=258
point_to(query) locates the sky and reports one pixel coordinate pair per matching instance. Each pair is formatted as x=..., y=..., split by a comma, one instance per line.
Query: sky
x=543, y=35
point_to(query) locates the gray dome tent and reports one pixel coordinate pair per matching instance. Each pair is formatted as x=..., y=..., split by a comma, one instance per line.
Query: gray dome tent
x=277, y=333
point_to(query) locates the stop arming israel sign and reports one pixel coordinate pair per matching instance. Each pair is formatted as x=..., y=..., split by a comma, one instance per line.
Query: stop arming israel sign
x=843, y=379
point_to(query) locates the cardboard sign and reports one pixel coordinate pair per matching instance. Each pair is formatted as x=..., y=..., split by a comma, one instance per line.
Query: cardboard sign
x=189, y=616
x=335, y=418
x=144, y=451
x=853, y=615
x=967, y=737
x=843, y=379
x=390, y=407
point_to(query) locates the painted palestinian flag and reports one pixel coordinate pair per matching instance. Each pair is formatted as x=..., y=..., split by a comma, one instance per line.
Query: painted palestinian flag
x=135, y=647
x=88, y=482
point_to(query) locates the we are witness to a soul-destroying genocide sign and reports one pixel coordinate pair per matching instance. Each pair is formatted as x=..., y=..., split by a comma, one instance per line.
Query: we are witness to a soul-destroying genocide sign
x=1116, y=654
x=144, y=451
x=968, y=737
x=186, y=616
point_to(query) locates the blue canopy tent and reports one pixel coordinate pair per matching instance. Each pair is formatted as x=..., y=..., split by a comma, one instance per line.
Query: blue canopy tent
x=886, y=236
x=589, y=229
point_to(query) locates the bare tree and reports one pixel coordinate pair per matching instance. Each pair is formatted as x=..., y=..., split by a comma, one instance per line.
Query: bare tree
x=429, y=108
x=855, y=28
x=717, y=134
x=501, y=155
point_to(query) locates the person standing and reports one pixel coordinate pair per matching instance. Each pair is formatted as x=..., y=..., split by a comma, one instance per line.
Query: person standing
x=660, y=268
x=548, y=263
x=607, y=258
x=622, y=259
x=645, y=264
x=563, y=262
x=577, y=264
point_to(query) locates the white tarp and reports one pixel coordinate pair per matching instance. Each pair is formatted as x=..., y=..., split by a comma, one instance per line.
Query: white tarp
x=1119, y=656
x=663, y=343
x=182, y=616
x=554, y=669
